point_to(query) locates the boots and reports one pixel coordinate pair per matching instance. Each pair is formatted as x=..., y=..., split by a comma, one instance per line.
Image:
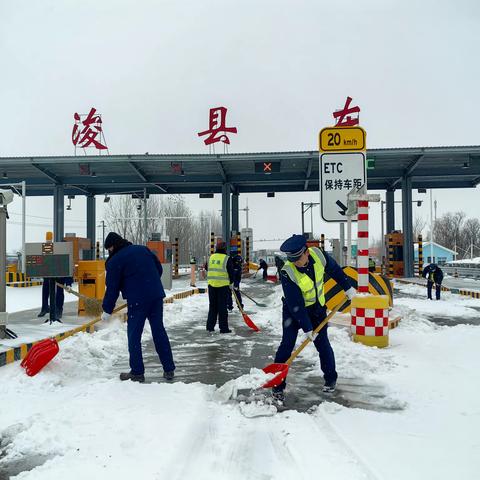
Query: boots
x=43, y=312
x=131, y=376
x=168, y=375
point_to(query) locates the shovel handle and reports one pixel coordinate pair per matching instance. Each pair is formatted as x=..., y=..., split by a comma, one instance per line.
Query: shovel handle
x=307, y=340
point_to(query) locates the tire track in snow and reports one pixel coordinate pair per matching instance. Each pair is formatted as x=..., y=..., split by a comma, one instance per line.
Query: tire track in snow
x=323, y=425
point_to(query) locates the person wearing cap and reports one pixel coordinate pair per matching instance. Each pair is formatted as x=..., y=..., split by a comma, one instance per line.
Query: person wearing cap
x=136, y=272
x=304, y=308
x=434, y=275
x=237, y=262
x=220, y=279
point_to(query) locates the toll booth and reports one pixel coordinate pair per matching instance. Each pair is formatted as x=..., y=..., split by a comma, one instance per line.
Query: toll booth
x=163, y=251
x=394, y=248
x=91, y=281
x=81, y=249
x=313, y=243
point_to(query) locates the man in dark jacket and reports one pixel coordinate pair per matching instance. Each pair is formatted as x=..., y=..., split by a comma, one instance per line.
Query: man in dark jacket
x=136, y=272
x=263, y=265
x=237, y=262
x=434, y=275
x=304, y=304
x=219, y=277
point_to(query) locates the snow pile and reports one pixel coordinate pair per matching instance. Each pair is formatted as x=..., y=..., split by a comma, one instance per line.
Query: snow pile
x=252, y=381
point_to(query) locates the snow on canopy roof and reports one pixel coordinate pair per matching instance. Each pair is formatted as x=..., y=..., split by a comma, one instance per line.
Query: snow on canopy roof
x=437, y=245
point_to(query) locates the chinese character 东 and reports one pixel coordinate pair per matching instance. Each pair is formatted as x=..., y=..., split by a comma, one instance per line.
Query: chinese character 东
x=86, y=136
x=343, y=118
x=217, y=129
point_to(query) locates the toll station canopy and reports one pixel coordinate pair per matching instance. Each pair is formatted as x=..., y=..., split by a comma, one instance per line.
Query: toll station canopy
x=425, y=167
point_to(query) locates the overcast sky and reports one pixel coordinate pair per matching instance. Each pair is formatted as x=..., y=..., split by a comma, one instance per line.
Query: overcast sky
x=154, y=68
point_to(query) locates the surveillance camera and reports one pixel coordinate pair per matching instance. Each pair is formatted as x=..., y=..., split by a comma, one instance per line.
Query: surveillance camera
x=6, y=197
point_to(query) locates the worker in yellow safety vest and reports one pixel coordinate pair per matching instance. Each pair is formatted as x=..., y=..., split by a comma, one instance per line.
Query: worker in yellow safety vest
x=220, y=276
x=304, y=304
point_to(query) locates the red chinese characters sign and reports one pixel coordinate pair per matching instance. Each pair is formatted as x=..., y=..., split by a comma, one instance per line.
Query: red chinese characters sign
x=217, y=127
x=343, y=117
x=86, y=130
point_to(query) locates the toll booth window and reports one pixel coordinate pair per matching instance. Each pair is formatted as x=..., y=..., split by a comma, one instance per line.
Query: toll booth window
x=398, y=253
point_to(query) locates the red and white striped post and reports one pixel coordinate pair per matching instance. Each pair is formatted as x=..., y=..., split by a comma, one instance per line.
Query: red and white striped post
x=362, y=246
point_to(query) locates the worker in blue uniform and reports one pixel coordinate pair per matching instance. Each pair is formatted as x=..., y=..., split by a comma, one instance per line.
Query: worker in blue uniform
x=136, y=272
x=237, y=262
x=263, y=266
x=434, y=275
x=220, y=278
x=304, y=304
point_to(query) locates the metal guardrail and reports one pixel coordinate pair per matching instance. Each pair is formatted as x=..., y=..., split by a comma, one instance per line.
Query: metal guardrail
x=472, y=271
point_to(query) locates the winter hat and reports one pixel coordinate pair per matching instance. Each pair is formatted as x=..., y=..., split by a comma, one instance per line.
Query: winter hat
x=112, y=240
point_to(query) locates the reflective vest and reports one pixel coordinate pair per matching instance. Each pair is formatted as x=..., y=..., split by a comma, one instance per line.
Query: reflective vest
x=217, y=275
x=304, y=282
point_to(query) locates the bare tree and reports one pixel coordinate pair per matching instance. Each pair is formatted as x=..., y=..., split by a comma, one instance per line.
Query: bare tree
x=125, y=216
x=471, y=237
x=447, y=229
x=419, y=225
x=167, y=216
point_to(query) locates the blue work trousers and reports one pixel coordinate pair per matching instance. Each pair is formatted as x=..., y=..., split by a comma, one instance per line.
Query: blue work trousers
x=59, y=296
x=137, y=314
x=322, y=344
x=429, y=290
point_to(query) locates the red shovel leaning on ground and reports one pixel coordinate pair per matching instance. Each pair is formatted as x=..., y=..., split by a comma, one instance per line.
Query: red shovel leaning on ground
x=281, y=369
x=246, y=318
x=42, y=352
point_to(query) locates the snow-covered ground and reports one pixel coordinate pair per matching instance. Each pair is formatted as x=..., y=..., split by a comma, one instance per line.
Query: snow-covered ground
x=19, y=299
x=76, y=420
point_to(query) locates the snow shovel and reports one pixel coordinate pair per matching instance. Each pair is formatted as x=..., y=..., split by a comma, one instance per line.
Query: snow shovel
x=93, y=306
x=281, y=369
x=246, y=318
x=272, y=278
x=254, y=301
x=42, y=352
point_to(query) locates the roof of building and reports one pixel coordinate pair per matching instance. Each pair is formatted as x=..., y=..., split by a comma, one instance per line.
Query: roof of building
x=429, y=167
x=436, y=245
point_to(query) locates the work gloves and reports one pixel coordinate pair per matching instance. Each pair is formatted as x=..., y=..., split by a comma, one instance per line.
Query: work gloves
x=310, y=336
x=106, y=316
x=350, y=293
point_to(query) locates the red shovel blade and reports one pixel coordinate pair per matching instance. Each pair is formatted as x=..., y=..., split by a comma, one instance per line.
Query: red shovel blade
x=272, y=278
x=39, y=355
x=249, y=322
x=281, y=372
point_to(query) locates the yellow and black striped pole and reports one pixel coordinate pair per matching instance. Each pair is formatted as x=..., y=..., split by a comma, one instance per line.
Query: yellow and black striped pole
x=239, y=245
x=390, y=255
x=247, y=251
x=322, y=241
x=420, y=255
x=97, y=251
x=175, y=266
